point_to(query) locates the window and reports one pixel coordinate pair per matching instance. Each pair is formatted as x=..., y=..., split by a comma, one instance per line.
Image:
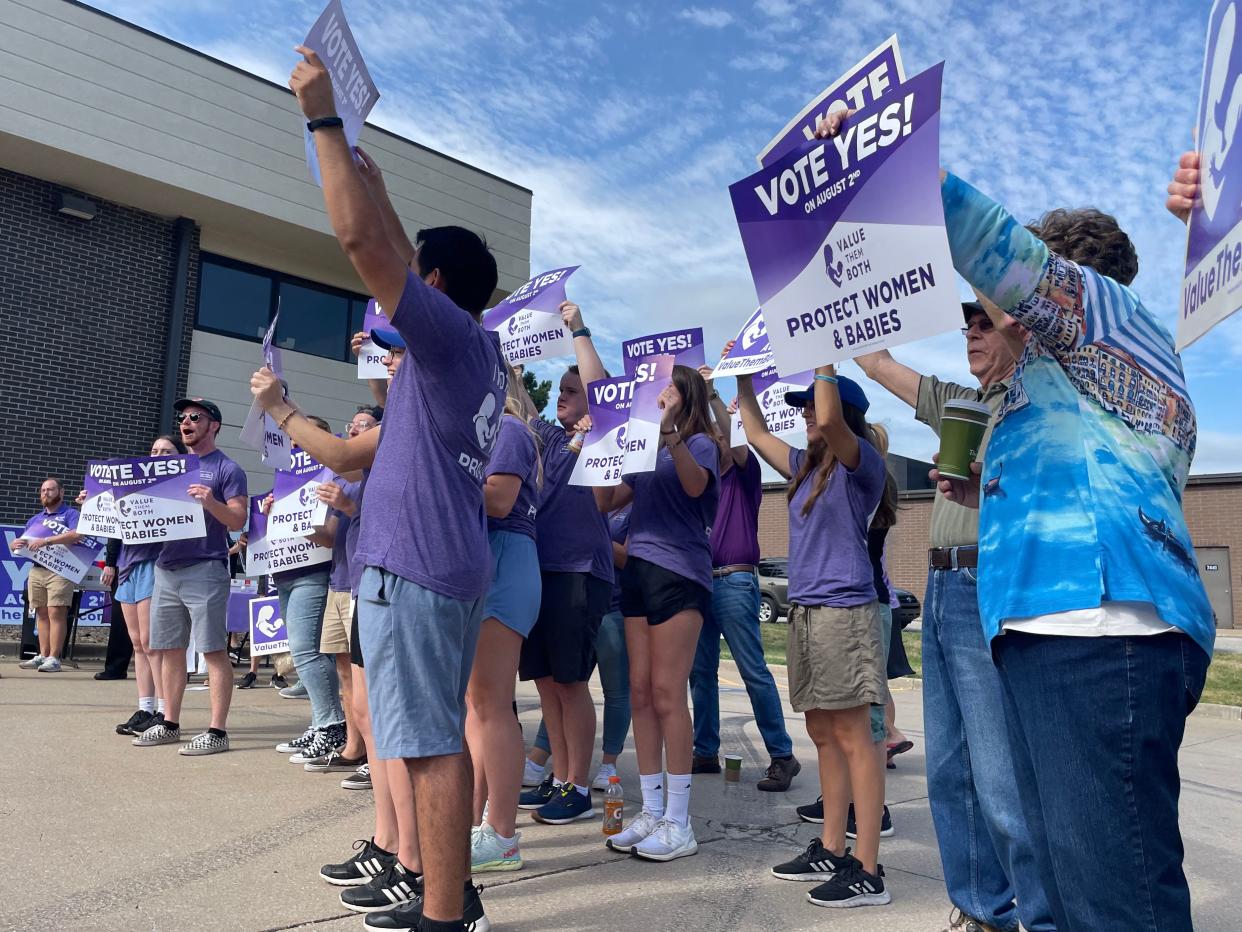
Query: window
x=239, y=300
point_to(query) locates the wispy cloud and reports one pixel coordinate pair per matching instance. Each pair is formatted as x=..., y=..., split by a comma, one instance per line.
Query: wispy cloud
x=712, y=17
x=760, y=61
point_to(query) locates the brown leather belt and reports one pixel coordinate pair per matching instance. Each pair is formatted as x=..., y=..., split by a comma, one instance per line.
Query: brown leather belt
x=952, y=558
x=734, y=568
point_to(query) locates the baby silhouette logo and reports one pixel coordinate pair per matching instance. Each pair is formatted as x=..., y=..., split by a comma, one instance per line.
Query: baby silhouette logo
x=621, y=432
x=513, y=325
x=268, y=634
x=1222, y=109
x=835, y=270
x=307, y=496
x=124, y=508
x=486, y=423
x=268, y=623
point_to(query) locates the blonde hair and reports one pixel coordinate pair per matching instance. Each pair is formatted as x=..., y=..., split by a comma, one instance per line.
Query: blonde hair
x=515, y=406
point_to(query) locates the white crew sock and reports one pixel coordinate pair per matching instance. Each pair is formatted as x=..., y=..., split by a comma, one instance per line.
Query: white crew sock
x=678, y=798
x=159, y=706
x=146, y=703
x=505, y=842
x=653, y=793
x=584, y=790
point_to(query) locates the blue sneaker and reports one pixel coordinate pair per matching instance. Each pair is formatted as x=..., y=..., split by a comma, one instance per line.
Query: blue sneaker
x=566, y=806
x=539, y=797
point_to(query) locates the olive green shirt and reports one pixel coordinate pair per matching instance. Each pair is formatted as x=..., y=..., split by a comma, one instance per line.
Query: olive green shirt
x=954, y=525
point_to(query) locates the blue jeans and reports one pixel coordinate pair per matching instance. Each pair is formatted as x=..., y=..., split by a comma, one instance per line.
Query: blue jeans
x=985, y=847
x=1095, y=724
x=302, y=603
x=735, y=614
x=614, y=676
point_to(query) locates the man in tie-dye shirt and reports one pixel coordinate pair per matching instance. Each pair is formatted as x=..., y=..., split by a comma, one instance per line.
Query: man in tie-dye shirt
x=1088, y=585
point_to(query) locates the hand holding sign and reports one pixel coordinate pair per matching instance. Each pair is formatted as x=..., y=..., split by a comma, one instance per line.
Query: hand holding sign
x=266, y=388
x=1184, y=188
x=670, y=406
x=571, y=316
x=312, y=85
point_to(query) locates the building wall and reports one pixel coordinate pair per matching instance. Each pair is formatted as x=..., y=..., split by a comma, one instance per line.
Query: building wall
x=83, y=326
x=1213, y=507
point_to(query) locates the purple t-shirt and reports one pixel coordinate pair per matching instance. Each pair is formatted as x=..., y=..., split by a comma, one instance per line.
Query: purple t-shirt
x=423, y=517
x=133, y=554
x=619, y=528
x=515, y=454
x=571, y=531
x=828, y=559
x=735, y=532
x=351, y=538
x=226, y=480
x=667, y=526
x=339, y=579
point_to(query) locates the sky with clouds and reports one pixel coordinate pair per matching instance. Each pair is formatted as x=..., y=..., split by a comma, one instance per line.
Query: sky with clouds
x=629, y=120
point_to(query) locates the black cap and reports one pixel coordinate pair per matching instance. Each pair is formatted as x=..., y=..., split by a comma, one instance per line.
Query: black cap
x=208, y=406
x=970, y=309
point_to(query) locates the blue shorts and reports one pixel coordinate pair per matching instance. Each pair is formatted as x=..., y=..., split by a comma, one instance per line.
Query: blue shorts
x=138, y=584
x=513, y=598
x=419, y=647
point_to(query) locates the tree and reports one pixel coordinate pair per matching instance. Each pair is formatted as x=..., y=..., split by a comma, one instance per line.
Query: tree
x=538, y=391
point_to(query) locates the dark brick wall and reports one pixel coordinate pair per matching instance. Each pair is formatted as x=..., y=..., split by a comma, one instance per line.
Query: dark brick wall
x=84, y=311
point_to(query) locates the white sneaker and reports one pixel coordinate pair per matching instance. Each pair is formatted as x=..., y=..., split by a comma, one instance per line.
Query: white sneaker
x=668, y=842
x=50, y=665
x=532, y=773
x=34, y=662
x=638, y=829
x=489, y=853
x=601, y=778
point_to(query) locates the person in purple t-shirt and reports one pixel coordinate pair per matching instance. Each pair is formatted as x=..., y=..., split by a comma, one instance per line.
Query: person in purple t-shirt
x=735, y=615
x=50, y=594
x=427, y=570
x=511, y=492
x=191, y=591
x=836, y=651
x=666, y=589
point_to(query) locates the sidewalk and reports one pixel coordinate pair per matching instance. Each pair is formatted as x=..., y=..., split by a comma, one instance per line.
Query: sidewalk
x=103, y=836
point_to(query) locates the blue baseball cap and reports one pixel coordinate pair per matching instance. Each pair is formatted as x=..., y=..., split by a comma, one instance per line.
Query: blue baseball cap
x=386, y=338
x=850, y=391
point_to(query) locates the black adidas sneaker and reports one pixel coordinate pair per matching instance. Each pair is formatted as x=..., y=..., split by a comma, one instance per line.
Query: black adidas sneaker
x=369, y=862
x=852, y=886
x=816, y=863
x=393, y=887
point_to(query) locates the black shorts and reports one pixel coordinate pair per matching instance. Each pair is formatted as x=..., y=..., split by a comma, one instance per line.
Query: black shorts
x=652, y=592
x=355, y=643
x=562, y=643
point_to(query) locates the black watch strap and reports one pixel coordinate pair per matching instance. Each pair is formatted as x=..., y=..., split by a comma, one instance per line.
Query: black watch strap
x=323, y=122
x=581, y=332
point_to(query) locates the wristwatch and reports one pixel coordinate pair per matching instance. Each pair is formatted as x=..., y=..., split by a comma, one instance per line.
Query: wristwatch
x=324, y=122
x=582, y=332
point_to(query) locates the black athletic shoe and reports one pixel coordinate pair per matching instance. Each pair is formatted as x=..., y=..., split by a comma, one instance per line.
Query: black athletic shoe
x=539, y=797
x=816, y=863
x=853, y=886
x=139, y=722
x=360, y=779
x=886, y=824
x=705, y=765
x=247, y=681
x=407, y=918
x=279, y=682
x=812, y=812
x=390, y=888
x=370, y=861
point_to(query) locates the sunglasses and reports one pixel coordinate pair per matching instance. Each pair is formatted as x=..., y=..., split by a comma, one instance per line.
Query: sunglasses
x=984, y=324
x=193, y=418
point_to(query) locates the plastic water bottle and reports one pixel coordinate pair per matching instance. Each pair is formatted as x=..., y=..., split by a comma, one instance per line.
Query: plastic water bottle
x=614, y=806
x=576, y=441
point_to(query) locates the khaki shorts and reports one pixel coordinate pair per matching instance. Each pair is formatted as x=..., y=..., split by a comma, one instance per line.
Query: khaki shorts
x=836, y=657
x=338, y=617
x=46, y=588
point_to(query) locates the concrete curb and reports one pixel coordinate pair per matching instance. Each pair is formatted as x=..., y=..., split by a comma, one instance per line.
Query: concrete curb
x=1231, y=713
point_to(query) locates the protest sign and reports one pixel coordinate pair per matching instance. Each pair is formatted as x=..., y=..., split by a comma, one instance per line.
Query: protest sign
x=70, y=561
x=98, y=513
x=260, y=431
x=845, y=238
x=602, y=458
x=268, y=634
x=642, y=434
x=297, y=510
x=13, y=580
x=264, y=555
x=686, y=347
x=751, y=351
x=529, y=322
x=737, y=430
x=371, y=357
x=149, y=497
x=770, y=388
x=860, y=86
x=1212, y=287
x=352, y=88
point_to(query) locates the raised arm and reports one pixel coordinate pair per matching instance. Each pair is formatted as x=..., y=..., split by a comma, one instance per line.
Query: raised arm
x=897, y=377
x=589, y=365
x=830, y=419
x=373, y=178
x=338, y=454
x=723, y=419
x=773, y=451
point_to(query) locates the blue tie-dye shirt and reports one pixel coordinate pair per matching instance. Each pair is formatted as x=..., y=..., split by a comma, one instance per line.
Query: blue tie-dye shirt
x=1083, y=476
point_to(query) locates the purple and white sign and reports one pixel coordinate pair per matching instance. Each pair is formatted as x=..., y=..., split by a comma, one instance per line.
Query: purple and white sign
x=260, y=431
x=297, y=510
x=149, y=498
x=268, y=634
x=98, y=511
x=70, y=561
x=642, y=435
x=602, y=459
x=371, y=357
x=685, y=346
x=751, y=350
x=845, y=237
x=1212, y=287
x=352, y=88
x=859, y=87
x=529, y=322
x=264, y=555
x=770, y=388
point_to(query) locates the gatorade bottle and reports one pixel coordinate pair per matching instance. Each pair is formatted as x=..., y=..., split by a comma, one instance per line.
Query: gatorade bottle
x=576, y=441
x=614, y=806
